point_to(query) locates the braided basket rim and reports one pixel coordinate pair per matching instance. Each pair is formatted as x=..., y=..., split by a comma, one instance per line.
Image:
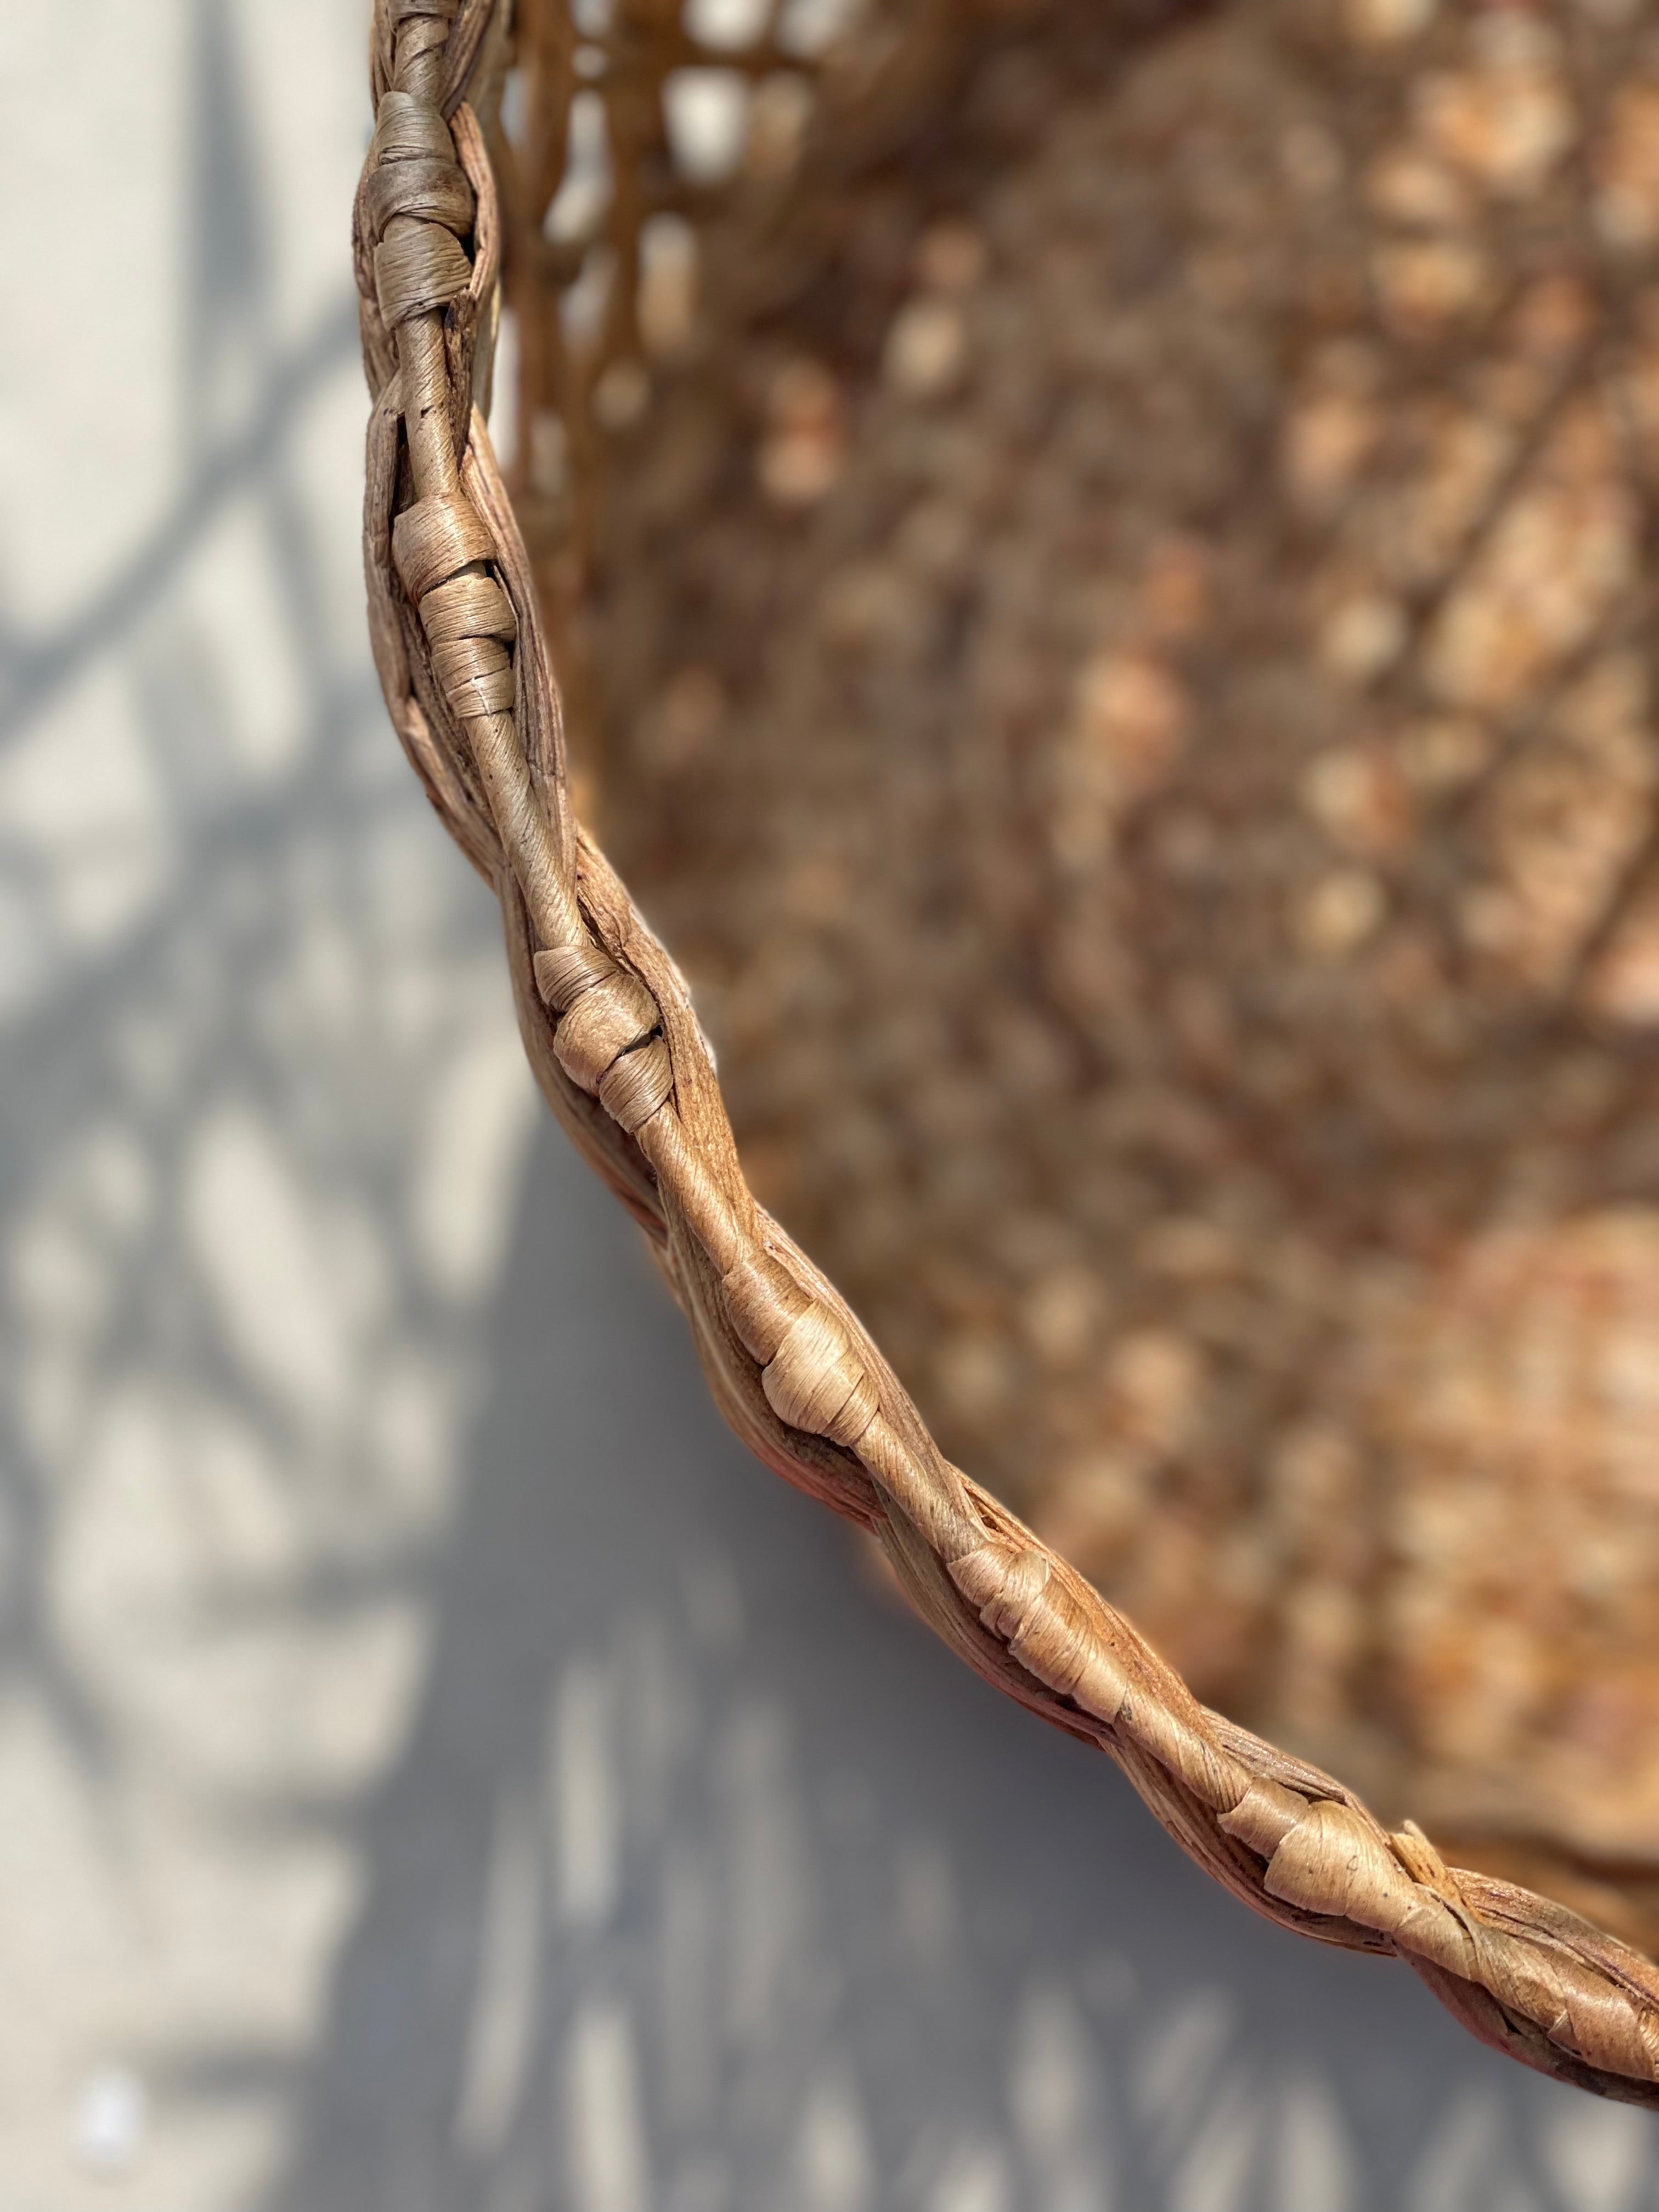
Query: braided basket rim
x=608, y=1027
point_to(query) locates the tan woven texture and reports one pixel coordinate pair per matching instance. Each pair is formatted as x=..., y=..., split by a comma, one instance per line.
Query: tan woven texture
x=614, y=1044
x=1082, y=546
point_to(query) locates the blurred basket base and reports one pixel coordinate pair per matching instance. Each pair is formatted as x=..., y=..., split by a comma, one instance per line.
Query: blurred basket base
x=1109, y=575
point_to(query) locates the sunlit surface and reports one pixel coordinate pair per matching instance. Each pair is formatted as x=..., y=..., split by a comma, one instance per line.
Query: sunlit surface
x=438, y=1770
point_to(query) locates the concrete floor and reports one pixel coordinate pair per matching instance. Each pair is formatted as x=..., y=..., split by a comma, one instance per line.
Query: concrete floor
x=441, y=1771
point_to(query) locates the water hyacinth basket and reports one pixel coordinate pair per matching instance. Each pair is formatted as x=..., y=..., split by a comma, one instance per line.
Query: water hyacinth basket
x=1094, y=569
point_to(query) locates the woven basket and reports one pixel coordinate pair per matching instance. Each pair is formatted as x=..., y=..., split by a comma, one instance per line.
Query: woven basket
x=1098, y=571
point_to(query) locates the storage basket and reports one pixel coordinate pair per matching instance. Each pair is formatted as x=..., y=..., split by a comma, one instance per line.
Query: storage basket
x=1098, y=570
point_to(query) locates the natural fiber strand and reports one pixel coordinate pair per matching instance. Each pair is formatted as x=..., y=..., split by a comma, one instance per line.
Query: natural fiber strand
x=611, y=1034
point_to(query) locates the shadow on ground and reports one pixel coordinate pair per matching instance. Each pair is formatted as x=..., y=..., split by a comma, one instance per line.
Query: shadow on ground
x=708, y=1879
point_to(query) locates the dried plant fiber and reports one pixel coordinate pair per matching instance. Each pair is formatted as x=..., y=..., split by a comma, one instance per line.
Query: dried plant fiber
x=608, y=1025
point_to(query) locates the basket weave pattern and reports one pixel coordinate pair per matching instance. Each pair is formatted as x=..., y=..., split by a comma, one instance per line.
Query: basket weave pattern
x=1083, y=547
x=615, y=1046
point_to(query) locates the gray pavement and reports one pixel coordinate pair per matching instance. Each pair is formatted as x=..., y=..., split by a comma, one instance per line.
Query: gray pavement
x=439, y=1771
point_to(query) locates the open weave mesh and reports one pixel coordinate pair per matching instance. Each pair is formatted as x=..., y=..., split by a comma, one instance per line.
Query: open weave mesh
x=608, y=1025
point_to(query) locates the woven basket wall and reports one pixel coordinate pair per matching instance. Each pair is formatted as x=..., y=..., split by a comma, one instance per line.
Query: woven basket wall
x=1110, y=563
x=1106, y=566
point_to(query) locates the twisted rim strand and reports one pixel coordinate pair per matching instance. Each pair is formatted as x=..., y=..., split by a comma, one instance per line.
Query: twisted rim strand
x=610, y=1031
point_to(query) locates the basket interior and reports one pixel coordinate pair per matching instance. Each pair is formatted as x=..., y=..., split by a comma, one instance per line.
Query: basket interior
x=1101, y=575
